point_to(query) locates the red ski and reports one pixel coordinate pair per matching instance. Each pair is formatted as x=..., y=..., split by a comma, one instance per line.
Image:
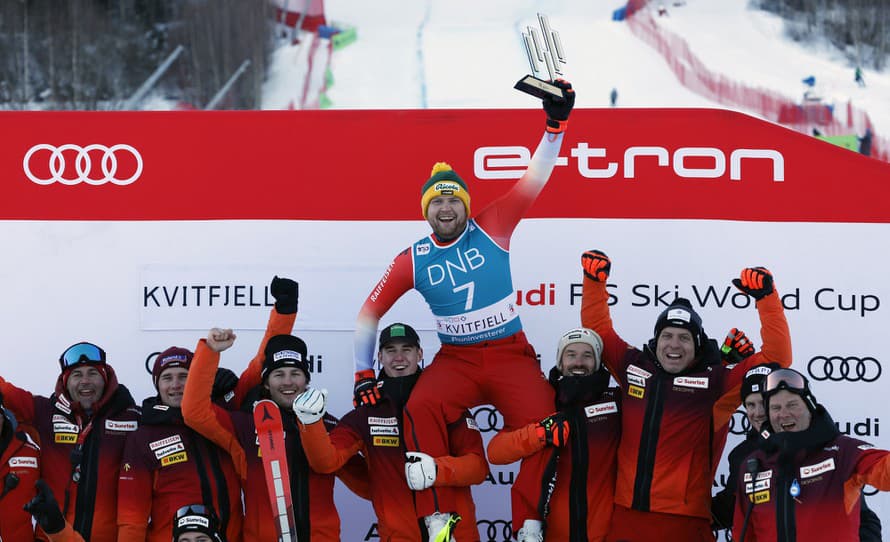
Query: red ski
x=270, y=436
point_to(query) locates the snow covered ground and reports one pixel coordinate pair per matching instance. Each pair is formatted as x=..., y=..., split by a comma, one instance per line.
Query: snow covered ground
x=468, y=54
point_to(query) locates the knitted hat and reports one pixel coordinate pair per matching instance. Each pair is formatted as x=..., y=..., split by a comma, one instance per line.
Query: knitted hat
x=285, y=351
x=443, y=181
x=581, y=335
x=399, y=333
x=169, y=358
x=753, y=382
x=681, y=314
x=195, y=518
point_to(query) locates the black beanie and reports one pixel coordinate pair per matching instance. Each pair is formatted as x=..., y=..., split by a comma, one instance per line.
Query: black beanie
x=681, y=314
x=285, y=351
x=755, y=378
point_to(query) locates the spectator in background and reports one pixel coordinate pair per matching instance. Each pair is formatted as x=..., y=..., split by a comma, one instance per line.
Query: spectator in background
x=865, y=142
x=83, y=427
x=613, y=97
x=857, y=76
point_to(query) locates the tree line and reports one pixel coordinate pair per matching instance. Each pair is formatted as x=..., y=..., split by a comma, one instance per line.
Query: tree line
x=94, y=54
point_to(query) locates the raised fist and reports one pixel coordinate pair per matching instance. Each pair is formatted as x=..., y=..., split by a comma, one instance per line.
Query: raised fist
x=755, y=281
x=596, y=265
x=286, y=293
x=558, y=109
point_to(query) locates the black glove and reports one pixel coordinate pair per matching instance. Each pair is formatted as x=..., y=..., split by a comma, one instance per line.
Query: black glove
x=366, y=392
x=756, y=282
x=223, y=384
x=554, y=430
x=286, y=293
x=558, y=109
x=45, y=509
x=736, y=347
x=596, y=265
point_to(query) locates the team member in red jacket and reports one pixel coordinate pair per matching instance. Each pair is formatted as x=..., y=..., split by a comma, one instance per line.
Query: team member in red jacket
x=48, y=516
x=377, y=433
x=19, y=470
x=669, y=391
x=805, y=480
x=82, y=427
x=584, y=434
x=167, y=465
x=284, y=375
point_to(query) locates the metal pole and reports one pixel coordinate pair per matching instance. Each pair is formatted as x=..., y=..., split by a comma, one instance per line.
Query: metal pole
x=225, y=88
x=152, y=79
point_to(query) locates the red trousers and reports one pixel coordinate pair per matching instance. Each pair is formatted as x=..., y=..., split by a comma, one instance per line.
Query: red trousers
x=504, y=373
x=635, y=526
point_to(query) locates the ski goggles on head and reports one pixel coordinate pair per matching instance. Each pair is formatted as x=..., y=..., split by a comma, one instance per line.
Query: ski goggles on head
x=81, y=353
x=785, y=379
x=193, y=510
x=195, y=517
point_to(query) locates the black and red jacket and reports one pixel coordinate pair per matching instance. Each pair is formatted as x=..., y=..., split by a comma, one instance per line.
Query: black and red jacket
x=167, y=465
x=807, y=485
x=668, y=452
x=377, y=432
x=80, y=455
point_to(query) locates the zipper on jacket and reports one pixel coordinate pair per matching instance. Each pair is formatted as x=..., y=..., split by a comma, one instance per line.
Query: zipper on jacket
x=648, y=444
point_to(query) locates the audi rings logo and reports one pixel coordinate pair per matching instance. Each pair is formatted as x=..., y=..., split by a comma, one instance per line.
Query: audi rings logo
x=488, y=419
x=850, y=369
x=495, y=530
x=93, y=164
x=739, y=424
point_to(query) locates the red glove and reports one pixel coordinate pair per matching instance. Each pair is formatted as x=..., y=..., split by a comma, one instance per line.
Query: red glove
x=365, y=392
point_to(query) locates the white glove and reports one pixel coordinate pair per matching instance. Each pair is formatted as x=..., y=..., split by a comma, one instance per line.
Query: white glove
x=420, y=470
x=309, y=406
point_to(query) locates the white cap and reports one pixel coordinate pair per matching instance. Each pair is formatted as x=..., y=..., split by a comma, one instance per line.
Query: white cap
x=581, y=335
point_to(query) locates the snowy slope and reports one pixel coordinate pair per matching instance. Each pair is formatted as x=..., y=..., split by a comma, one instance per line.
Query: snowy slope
x=465, y=54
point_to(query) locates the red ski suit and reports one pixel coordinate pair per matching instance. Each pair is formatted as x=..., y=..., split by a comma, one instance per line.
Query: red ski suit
x=495, y=371
x=666, y=455
x=64, y=428
x=376, y=432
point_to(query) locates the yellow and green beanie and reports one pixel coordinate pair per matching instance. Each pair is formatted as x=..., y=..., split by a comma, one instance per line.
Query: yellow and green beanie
x=444, y=181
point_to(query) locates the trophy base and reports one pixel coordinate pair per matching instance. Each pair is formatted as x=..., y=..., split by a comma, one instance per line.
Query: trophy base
x=539, y=88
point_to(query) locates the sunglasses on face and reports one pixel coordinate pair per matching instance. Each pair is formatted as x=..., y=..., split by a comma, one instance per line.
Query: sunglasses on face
x=82, y=353
x=784, y=379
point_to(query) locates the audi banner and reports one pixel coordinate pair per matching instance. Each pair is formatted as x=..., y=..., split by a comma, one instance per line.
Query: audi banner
x=139, y=231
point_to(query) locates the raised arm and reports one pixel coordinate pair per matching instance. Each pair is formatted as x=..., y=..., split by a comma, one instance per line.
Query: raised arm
x=281, y=322
x=20, y=402
x=500, y=218
x=396, y=280
x=595, y=310
x=198, y=411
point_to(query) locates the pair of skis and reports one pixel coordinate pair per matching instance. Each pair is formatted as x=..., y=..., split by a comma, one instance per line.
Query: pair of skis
x=270, y=435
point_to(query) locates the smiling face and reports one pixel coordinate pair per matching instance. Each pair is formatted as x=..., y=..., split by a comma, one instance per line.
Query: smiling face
x=85, y=386
x=399, y=359
x=447, y=216
x=578, y=359
x=675, y=349
x=284, y=384
x=788, y=413
x=754, y=410
x=171, y=383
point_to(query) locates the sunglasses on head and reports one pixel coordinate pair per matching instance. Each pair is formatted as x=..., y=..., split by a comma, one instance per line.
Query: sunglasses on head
x=784, y=379
x=82, y=353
